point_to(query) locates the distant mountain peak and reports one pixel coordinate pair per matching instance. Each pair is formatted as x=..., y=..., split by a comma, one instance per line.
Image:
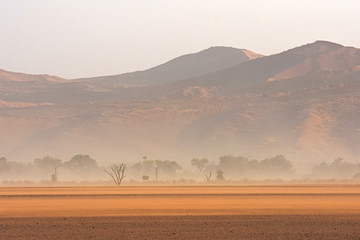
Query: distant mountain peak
x=224, y=50
x=183, y=67
x=324, y=42
x=317, y=47
x=218, y=48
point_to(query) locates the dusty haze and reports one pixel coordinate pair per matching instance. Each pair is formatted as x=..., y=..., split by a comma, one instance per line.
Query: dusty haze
x=74, y=39
x=302, y=103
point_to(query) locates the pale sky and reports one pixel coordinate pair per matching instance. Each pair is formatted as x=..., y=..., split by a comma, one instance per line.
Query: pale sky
x=83, y=38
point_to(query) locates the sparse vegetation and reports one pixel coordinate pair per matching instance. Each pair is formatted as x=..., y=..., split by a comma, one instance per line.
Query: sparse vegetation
x=49, y=164
x=230, y=169
x=200, y=164
x=208, y=176
x=339, y=168
x=154, y=168
x=243, y=167
x=117, y=172
x=220, y=175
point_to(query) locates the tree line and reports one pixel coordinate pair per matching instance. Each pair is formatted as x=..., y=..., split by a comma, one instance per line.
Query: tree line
x=81, y=167
x=228, y=167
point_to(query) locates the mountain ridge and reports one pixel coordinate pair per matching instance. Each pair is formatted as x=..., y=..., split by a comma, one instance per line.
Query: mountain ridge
x=24, y=77
x=303, y=103
x=205, y=61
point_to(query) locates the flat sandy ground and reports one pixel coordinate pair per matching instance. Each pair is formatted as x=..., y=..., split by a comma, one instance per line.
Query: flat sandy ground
x=199, y=212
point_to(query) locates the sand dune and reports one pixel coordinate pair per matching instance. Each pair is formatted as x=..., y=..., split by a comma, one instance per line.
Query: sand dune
x=302, y=103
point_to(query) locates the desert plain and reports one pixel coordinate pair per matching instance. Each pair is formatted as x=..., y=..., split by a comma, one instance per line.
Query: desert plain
x=181, y=212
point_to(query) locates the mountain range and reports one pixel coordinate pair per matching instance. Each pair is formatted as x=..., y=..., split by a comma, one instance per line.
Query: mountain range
x=303, y=103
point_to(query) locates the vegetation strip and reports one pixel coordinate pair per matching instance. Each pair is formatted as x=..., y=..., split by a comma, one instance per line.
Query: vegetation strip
x=180, y=195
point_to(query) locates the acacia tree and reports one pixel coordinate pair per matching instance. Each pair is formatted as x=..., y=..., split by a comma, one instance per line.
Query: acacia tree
x=220, y=175
x=200, y=164
x=156, y=168
x=117, y=173
x=48, y=163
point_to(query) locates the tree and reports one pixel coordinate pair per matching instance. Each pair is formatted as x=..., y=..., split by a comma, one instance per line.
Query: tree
x=220, y=175
x=4, y=165
x=200, y=164
x=81, y=163
x=117, y=173
x=167, y=167
x=339, y=168
x=243, y=167
x=235, y=166
x=156, y=167
x=277, y=165
x=48, y=163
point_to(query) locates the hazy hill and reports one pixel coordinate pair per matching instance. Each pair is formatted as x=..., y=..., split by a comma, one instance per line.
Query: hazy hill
x=301, y=62
x=43, y=88
x=6, y=76
x=190, y=65
x=303, y=103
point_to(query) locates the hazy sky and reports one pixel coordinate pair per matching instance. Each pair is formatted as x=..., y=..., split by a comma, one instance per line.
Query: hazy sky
x=80, y=38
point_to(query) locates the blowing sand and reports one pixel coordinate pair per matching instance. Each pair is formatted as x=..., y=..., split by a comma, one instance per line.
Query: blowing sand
x=213, y=212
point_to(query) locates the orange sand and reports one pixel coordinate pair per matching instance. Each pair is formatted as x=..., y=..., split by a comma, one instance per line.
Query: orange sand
x=175, y=200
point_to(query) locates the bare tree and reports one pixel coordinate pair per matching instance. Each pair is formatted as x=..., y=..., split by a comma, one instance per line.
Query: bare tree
x=208, y=176
x=117, y=172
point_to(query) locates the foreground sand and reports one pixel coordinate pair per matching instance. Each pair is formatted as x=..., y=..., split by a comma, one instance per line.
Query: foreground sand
x=220, y=212
x=270, y=227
